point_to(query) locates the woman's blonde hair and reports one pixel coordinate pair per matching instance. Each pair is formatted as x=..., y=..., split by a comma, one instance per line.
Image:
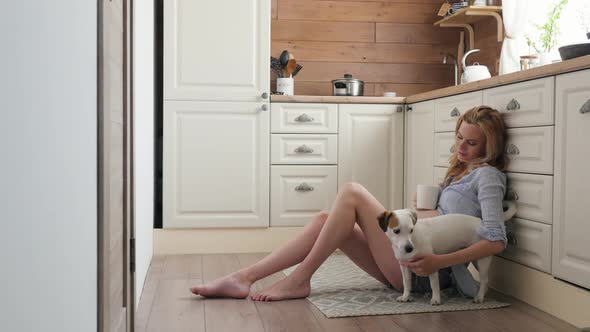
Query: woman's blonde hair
x=492, y=125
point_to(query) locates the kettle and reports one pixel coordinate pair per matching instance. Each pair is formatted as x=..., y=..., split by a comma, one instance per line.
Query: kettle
x=474, y=72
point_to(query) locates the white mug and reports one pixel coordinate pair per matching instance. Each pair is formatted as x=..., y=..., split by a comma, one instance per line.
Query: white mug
x=426, y=197
x=285, y=85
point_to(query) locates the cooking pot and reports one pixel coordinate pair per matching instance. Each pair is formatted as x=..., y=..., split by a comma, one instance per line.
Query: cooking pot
x=347, y=86
x=474, y=72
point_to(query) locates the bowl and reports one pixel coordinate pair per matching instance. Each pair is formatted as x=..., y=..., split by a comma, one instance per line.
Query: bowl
x=574, y=51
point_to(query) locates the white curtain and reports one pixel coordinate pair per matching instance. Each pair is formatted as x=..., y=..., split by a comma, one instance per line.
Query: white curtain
x=515, y=21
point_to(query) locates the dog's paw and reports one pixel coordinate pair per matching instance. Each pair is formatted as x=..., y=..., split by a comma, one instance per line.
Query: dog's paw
x=478, y=299
x=434, y=301
x=403, y=299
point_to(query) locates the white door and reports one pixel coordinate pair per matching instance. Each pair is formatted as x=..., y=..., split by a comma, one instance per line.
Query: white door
x=419, y=148
x=216, y=50
x=571, y=251
x=216, y=164
x=370, y=150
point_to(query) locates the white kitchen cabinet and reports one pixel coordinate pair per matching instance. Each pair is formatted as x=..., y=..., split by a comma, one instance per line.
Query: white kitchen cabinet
x=529, y=243
x=300, y=192
x=370, y=150
x=216, y=164
x=571, y=251
x=217, y=50
x=447, y=110
x=523, y=104
x=299, y=118
x=419, y=145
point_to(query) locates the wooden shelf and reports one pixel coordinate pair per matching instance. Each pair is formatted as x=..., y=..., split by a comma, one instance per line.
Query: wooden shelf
x=464, y=18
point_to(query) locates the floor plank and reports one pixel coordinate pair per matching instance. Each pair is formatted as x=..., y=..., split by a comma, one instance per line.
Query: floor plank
x=167, y=305
x=227, y=314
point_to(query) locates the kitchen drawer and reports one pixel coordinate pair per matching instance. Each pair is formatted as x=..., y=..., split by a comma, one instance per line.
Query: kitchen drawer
x=530, y=150
x=524, y=104
x=299, y=192
x=529, y=243
x=304, y=149
x=303, y=118
x=447, y=110
x=533, y=195
x=444, y=143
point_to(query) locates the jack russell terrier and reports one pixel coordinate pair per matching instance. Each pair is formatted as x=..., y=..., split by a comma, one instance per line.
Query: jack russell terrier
x=438, y=235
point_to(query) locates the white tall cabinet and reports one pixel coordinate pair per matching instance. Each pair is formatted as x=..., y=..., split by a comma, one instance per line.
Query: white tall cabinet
x=370, y=150
x=571, y=251
x=216, y=113
x=419, y=148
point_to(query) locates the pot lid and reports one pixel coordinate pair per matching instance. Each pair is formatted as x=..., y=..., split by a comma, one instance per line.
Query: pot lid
x=347, y=78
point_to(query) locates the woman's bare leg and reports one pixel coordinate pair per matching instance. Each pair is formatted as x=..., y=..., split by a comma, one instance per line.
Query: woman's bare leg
x=237, y=284
x=353, y=205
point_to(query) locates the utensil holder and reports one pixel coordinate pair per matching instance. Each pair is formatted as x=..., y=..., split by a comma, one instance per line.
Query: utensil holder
x=285, y=85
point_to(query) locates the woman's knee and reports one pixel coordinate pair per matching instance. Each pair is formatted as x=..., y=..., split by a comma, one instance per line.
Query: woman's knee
x=352, y=190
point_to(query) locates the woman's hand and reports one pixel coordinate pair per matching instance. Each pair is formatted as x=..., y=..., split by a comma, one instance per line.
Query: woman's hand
x=424, y=265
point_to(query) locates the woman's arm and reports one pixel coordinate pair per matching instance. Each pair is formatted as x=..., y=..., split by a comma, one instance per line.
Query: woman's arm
x=427, y=264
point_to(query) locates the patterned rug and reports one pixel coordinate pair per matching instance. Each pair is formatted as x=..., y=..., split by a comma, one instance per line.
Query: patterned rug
x=340, y=289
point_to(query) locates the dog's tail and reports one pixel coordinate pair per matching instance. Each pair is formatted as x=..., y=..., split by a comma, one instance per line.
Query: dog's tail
x=509, y=208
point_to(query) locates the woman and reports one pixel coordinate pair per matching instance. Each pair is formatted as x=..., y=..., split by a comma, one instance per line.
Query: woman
x=475, y=185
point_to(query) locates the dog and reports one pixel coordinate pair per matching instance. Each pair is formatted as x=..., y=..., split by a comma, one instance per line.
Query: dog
x=438, y=235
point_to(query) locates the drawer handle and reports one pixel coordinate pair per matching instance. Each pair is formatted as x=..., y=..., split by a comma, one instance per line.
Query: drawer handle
x=513, y=105
x=585, y=108
x=455, y=112
x=452, y=149
x=511, y=195
x=511, y=237
x=304, y=118
x=304, y=187
x=512, y=149
x=303, y=149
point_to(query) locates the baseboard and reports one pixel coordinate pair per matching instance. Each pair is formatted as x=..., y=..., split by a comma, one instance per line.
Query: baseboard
x=542, y=290
x=536, y=288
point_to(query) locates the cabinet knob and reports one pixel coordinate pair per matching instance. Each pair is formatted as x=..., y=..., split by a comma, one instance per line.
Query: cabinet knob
x=264, y=107
x=513, y=105
x=585, y=108
x=512, y=149
x=304, y=187
x=304, y=118
x=511, y=195
x=264, y=95
x=455, y=112
x=410, y=108
x=511, y=238
x=452, y=149
x=303, y=149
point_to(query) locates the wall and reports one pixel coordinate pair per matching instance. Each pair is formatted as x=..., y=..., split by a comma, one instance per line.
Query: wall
x=48, y=186
x=143, y=99
x=389, y=44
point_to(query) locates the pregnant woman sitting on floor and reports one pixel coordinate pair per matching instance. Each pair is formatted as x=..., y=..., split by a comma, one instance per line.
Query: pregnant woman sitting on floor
x=474, y=184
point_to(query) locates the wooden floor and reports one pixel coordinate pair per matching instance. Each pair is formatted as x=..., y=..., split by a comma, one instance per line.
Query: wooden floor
x=167, y=305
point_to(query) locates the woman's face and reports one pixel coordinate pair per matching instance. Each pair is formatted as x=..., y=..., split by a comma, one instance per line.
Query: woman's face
x=470, y=142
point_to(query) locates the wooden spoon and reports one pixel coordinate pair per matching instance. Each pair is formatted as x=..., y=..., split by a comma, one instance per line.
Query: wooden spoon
x=290, y=68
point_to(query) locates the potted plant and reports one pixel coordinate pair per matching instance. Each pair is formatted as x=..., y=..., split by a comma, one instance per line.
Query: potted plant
x=548, y=33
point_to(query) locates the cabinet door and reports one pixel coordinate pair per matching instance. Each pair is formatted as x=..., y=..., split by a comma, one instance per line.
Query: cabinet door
x=216, y=50
x=419, y=148
x=216, y=165
x=571, y=252
x=370, y=150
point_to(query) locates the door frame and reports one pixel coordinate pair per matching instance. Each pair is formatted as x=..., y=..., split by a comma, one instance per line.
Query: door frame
x=103, y=171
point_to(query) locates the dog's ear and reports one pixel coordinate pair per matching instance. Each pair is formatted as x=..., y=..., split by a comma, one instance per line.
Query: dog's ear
x=387, y=218
x=414, y=215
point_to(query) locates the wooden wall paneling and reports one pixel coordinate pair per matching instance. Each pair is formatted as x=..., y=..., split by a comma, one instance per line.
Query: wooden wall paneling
x=377, y=72
x=322, y=31
x=486, y=39
x=364, y=52
x=357, y=11
x=274, y=9
x=415, y=34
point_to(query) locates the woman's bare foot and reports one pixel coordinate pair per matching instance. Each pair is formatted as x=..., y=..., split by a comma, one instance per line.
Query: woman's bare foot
x=284, y=289
x=233, y=285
